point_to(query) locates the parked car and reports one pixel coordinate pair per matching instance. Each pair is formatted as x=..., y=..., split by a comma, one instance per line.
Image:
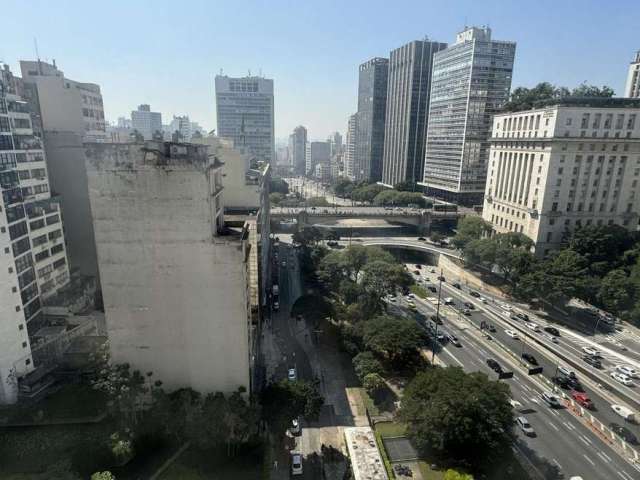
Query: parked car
x=551, y=399
x=432, y=289
x=530, y=358
x=552, y=330
x=332, y=243
x=624, y=433
x=622, y=378
x=491, y=328
x=493, y=365
x=591, y=351
x=593, y=361
x=526, y=428
x=582, y=399
x=296, y=464
x=466, y=312
x=512, y=334
x=292, y=375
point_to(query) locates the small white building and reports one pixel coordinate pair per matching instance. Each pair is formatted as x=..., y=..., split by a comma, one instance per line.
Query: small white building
x=554, y=169
x=632, y=88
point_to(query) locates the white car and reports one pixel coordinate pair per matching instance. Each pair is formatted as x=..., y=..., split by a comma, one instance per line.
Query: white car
x=525, y=426
x=296, y=464
x=512, y=334
x=506, y=307
x=533, y=326
x=622, y=378
x=567, y=372
x=591, y=351
x=624, y=412
x=627, y=370
x=292, y=375
x=295, y=428
x=411, y=295
x=483, y=300
x=551, y=399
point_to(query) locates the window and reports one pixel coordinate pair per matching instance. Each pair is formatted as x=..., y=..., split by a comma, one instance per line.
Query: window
x=39, y=240
x=56, y=249
x=23, y=262
x=631, y=122
x=36, y=224
x=549, y=236
x=585, y=120
x=568, y=122
x=552, y=221
x=560, y=171
x=554, y=207
x=6, y=142
x=59, y=263
x=42, y=256
x=21, y=246
x=619, y=121
x=18, y=230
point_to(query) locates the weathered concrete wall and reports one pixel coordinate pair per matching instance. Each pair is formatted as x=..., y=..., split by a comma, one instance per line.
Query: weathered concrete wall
x=175, y=295
x=455, y=273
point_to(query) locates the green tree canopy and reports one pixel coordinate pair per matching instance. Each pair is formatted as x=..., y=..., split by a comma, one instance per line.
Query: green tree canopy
x=373, y=383
x=455, y=475
x=460, y=417
x=366, y=363
x=470, y=228
x=343, y=187
x=406, y=186
x=366, y=193
x=523, y=98
x=396, y=338
x=617, y=291
x=283, y=401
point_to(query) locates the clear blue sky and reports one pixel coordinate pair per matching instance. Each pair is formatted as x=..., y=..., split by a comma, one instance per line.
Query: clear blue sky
x=166, y=53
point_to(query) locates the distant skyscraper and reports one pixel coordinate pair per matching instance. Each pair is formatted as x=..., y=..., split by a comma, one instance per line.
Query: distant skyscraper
x=335, y=139
x=406, y=111
x=470, y=83
x=244, y=109
x=350, y=149
x=182, y=125
x=297, y=149
x=633, y=79
x=372, y=103
x=315, y=153
x=146, y=122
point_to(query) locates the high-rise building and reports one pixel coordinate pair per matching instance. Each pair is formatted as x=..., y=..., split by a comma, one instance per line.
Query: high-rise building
x=555, y=169
x=470, y=83
x=297, y=149
x=182, y=125
x=64, y=104
x=335, y=140
x=350, y=150
x=146, y=122
x=33, y=260
x=175, y=278
x=244, y=109
x=315, y=153
x=406, y=112
x=372, y=104
x=632, y=89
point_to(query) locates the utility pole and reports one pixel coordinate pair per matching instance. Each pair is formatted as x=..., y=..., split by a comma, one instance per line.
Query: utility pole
x=435, y=335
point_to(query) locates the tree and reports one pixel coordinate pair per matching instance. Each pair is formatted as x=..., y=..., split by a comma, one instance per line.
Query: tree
x=386, y=197
x=585, y=90
x=103, y=476
x=616, y=291
x=406, y=186
x=317, y=202
x=470, y=228
x=480, y=252
x=393, y=337
x=366, y=193
x=307, y=236
x=343, y=187
x=601, y=246
x=455, y=475
x=436, y=237
x=366, y=363
x=380, y=278
x=460, y=417
x=373, y=383
x=332, y=234
x=523, y=98
x=283, y=401
x=276, y=197
x=410, y=198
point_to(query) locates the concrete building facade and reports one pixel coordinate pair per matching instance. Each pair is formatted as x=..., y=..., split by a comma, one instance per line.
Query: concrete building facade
x=33, y=260
x=408, y=91
x=64, y=104
x=351, y=170
x=555, y=169
x=297, y=149
x=471, y=82
x=372, y=103
x=632, y=87
x=146, y=122
x=244, y=112
x=174, y=277
x=315, y=153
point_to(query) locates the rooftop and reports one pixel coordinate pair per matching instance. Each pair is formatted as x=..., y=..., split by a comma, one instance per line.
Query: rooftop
x=365, y=456
x=586, y=102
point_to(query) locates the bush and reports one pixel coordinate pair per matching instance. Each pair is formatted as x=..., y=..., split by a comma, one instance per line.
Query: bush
x=365, y=363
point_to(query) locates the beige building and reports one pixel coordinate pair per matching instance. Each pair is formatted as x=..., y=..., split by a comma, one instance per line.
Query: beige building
x=632, y=88
x=175, y=277
x=568, y=165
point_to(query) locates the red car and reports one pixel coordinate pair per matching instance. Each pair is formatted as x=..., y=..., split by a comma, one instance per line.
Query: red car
x=583, y=399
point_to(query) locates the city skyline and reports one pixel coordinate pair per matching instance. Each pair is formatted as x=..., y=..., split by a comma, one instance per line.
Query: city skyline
x=314, y=86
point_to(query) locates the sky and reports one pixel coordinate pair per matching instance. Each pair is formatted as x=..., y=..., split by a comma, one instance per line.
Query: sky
x=167, y=53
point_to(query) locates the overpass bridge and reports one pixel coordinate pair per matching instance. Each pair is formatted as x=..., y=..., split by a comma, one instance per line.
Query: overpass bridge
x=420, y=218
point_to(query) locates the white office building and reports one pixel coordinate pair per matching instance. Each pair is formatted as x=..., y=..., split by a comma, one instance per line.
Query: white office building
x=632, y=89
x=352, y=171
x=315, y=153
x=244, y=110
x=146, y=122
x=555, y=169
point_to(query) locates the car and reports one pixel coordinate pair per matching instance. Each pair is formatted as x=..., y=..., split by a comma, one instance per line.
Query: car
x=456, y=285
x=491, y=328
x=522, y=316
x=466, y=312
x=512, y=334
x=416, y=272
x=582, y=399
x=561, y=381
x=453, y=340
x=506, y=306
x=624, y=433
x=432, y=289
x=627, y=370
x=441, y=278
x=483, y=300
x=532, y=326
x=436, y=319
x=411, y=295
x=391, y=298
x=332, y=243
x=422, y=239
x=418, y=266
x=474, y=294
x=441, y=337
x=412, y=306
x=296, y=464
x=551, y=399
x=591, y=351
x=566, y=371
x=433, y=270
x=530, y=358
x=276, y=306
x=593, y=361
x=525, y=426
x=469, y=305
x=494, y=365
x=622, y=378
x=284, y=263
x=552, y=330
x=449, y=301
x=624, y=412
x=292, y=375
x=552, y=338
x=295, y=428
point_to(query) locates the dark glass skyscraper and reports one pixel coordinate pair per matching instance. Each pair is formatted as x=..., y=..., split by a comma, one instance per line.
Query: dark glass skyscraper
x=407, y=110
x=372, y=103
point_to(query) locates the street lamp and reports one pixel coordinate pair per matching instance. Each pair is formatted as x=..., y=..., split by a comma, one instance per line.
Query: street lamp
x=435, y=335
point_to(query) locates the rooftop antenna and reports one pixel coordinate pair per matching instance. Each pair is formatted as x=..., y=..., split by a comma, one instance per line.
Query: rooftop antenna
x=35, y=44
x=249, y=72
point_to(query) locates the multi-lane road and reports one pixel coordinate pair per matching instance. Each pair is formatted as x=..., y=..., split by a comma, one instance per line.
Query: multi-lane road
x=562, y=442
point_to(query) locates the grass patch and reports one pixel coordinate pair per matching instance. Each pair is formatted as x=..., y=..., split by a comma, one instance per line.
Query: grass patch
x=383, y=454
x=391, y=429
x=419, y=291
x=429, y=474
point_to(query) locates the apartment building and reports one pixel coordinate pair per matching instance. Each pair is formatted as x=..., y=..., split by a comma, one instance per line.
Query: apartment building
x=33, y=261
x=315, y=153
x=471, y=82
x=632, y=88
x=571, y=164
x=297, y=149
x=351, y=169
x=175, y=277
x=146, y=122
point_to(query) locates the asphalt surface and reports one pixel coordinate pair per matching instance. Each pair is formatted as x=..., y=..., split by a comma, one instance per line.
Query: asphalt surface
x=561, y=439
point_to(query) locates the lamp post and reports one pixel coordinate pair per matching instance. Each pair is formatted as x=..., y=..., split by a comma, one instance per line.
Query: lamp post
x=435, y=335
